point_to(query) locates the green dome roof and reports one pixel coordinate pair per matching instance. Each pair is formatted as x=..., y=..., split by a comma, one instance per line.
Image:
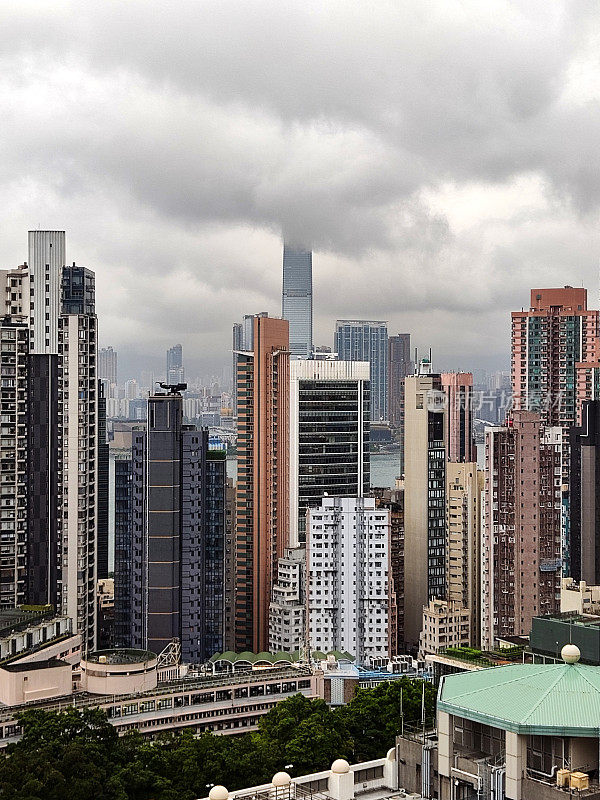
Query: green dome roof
x=541, y=699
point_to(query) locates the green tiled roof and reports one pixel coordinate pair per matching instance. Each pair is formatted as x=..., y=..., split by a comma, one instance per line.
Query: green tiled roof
x=273, y=658
x=541, y=699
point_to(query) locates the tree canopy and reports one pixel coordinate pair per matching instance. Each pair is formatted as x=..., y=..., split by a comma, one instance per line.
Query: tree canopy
x=78, y=754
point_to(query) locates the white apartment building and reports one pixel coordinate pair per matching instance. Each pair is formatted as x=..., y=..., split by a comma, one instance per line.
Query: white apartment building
x=288, y=608
x=347, y=577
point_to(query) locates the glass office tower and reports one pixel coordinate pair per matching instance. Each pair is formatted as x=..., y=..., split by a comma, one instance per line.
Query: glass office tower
x=296, y=304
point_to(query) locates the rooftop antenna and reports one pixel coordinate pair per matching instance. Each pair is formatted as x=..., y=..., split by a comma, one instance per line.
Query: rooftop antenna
x=416, y=361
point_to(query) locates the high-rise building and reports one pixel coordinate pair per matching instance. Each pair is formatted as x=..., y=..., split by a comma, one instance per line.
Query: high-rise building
x=288, y=606
x=262, y=521
x=464, y=489
x=557, y=333
x=172, y=575
x=14, y=488
x=102, y=567
x=399, y=366
x=584, y=496
x=229, y=582
x=107, y=365
x=424, y=498
x=347, y=577
x=175, y=370
x=123, y=522
x=62, y=432
x=329, y=435
x=393, y=501
x=46, y=261
x=460, y=445
x=296, y=304
x=521, y=547
x=365, y=340
x=78, y=421
x=131, y=389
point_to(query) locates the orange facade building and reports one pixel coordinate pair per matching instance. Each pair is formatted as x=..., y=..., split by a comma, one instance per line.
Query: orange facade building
x=262, y=500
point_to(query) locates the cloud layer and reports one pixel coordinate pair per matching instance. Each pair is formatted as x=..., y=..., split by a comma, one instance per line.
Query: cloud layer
x=440, y=157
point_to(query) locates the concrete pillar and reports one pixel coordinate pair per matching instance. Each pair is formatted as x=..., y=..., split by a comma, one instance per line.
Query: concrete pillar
x=516, y=761
x=445, y=744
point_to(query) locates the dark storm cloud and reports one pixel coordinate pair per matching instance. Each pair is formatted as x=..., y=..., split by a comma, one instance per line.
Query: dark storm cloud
x=177, y=142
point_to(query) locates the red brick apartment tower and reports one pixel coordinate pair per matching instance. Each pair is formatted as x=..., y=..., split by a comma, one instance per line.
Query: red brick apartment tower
x=552, y=344
x=460, y=446
x=262, y=519
x=521, y=557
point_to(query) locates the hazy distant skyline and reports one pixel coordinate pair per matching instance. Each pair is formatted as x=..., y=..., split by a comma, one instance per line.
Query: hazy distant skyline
x=439, y=158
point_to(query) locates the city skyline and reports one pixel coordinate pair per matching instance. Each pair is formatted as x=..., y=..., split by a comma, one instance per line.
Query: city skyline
x=452, y=191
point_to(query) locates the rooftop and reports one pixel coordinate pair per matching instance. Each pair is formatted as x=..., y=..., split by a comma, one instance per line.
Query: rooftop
x=542, y=699
x=18, y=619
x=120, y=656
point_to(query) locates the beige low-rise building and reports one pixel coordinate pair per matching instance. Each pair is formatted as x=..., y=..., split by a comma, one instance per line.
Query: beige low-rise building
x=35, y=681
x=119, y=672
x=579, y=597
x=445, y=624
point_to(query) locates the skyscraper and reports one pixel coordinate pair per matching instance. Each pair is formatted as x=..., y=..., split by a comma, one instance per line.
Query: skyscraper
x=78, y=420
x=399, y=366
x=348, y=552
x=175, y=370
x=58, y=551
x=103, y=490
x=170, y=584
x=329, y=435
x=262, y=521
x=521, y=558
x=364, y=340
x=460, y=445
x=296, y=305
x=424, y=498
x=107, y=365
x=548, y=342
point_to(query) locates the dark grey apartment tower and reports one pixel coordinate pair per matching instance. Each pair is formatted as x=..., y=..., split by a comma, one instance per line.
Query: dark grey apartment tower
x=212, y=592
x=44, y=481
x=175, y=371
x=164, y=520
x=123, y=550
x=170, y=521
x=296, y=304
x=103, y=462
x=584, y=487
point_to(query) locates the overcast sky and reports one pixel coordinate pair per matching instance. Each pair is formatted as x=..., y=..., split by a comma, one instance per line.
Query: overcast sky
x=440, y=158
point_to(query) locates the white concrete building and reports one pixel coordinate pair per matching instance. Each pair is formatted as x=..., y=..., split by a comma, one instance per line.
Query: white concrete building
x=288, y=608
x=347, y=569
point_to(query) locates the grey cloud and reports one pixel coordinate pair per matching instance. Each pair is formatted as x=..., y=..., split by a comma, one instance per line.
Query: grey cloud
x=180, y=141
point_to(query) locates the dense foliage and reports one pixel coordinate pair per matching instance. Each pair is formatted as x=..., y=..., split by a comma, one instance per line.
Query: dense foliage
x=78, y=755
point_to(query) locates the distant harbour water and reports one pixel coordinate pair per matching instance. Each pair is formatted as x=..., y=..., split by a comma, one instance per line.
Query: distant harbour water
x=384, y=469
